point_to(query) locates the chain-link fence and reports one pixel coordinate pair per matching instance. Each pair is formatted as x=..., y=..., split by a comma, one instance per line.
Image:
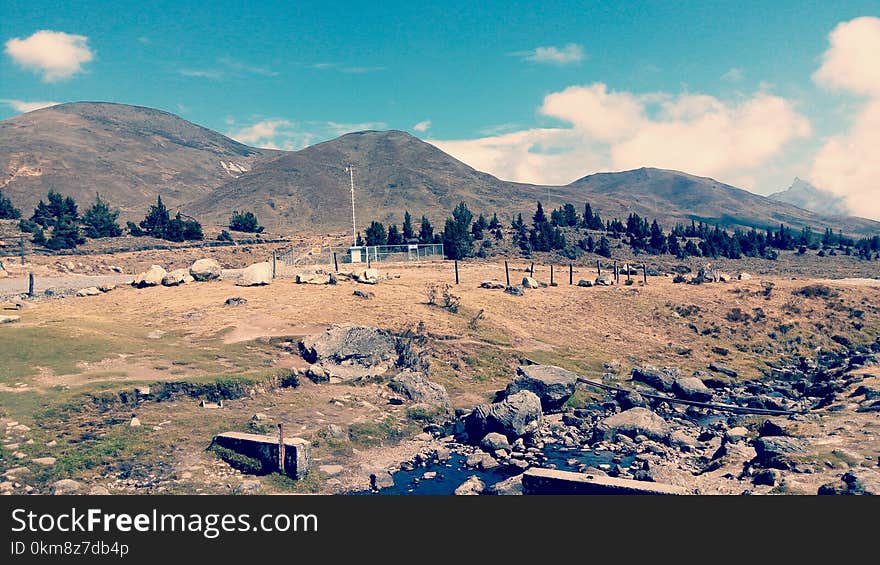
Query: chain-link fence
x=292, y=261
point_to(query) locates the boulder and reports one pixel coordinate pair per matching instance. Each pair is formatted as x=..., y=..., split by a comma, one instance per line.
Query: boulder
x=771, y=428
x=529, y=282
x=514, y=290
x=317, y=373
x=630, y=399
x=723, y=370
x=605, y=280
x=205, y=270
x=659, y=379
x=368, y=276
x=768, y=477
x=553, y=385
x=66, y=486
x=691, y=388
x=90, y=291
x=494, y=441
x=735, y=435
x=517, y=415
x=585, y=283
x=724, y=277
x=312, y=278
x=633, y=422
x=778, y=452
x=151, y=277
x=177, y=277
x=48, y=461
x=350, y=345
x=256, y=275
x=507, y=487
x=744, y=277
x=9, y=319
x=492, y=285
x=363, y=294
x=135, y=422
x=416, y=387
x=106, y=287
x=471, y=487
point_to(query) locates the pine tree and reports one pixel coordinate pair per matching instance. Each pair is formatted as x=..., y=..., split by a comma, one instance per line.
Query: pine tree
x=408, y=233
x=65, y=234
x=657, y=241
x=7, y=210
x=494, y=224
x=604, y=248
x=394, y=236
x=426, y=231
x=359, y=241
x=457, y=237
x=100, y=220
x=157, y=220
x=540, y=217
x=245, y=222
x=479, y=227
x=376, y=234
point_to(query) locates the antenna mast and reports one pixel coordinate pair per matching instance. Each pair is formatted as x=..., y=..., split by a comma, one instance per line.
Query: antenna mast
x=353, y=225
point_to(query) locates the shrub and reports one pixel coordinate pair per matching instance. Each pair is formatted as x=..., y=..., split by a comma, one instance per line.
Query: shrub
x=817, y=291
x=100, y=220
x=244, y=222
x=224, y=236
x=7, y=210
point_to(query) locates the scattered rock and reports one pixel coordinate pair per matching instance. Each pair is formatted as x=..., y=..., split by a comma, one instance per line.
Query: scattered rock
x=257, y=274
x=472, y=486
x=313, y=278
x=236, y=301
x=660, y=380
x=44, y=460
x=107, y=287
x=135, y=422
x=205, y=270
x=771, y=428
x=723, y=370
x=507, y=487
x=530, y=282
x=494, y=441
x=630, y=399
x=381, y=479
x=517, y=415
x=768, y=477
x=250, y=486
x=737, y=434
x=633, y=422
x=66, y=486
x=584, y=283
x=744, y=277
x=416, y=387
x=363, y=294
x=151, y=277
x=98, y=490
x=350, y=345
x=492, y=285
x=331, y=470
x=779, y=452
x=605, y=280
x=514, y=290
x=317, y=373
x=368, y=276
x=177, y=277
x=691, y=388
x=9, y=319
x=90, y=291
x=553, y=385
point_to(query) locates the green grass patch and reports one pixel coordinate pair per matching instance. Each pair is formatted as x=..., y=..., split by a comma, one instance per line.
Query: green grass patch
x=388, y=431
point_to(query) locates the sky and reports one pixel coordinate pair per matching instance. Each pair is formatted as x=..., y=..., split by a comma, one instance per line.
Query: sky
x=752, y=93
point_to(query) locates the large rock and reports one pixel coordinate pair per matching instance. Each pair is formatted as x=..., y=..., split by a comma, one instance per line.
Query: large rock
x=368, y=276
x=66, y=486
x=90, y=291
x=177, y=277
x=585, y=283
x=553, y=385
x=633, y=422
x=205, y=270
x=514, y=290
x=256, y=275
x=349, y=345
x=416, y=387
x=313, y=278
x=605, y=280
x=507, y=487
x=659, y=379
x=151, y=277
x=492, y=285
x=471, y=487
x=723, y=370
x=494, y=441
x=530, y=282
x=517, y=415
x=691, y=388
x=779, y=452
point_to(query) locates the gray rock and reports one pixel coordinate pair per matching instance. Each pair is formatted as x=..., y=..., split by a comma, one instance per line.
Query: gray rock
x=416, y=387
x=683, y=441
x=529, y=282
x=258, y=274
x=494, y=441
x=585, y=283
x=90, y=291
x=630, y=399
x=98, y=490
x=492, y=285
x=151, y=277
x=517, y=415
x=205, y=270
x=723, y=370
x=768, y=477
x=507, y=487
x=514, y=290
x=66, y=486
x=313, y=278
x=177, y=277
x=631, y=423
x=381, y=479
x=779, y=452
x=605, y=280
x=363, y=294
x=250, y=486
x=771, y=428
x=659, y=379
x=471, y=487
x=691, y=388
x=735, y=435
x=553, y=385
x=350, y=345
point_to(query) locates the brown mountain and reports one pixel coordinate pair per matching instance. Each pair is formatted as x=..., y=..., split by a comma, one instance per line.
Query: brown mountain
x=131, y=154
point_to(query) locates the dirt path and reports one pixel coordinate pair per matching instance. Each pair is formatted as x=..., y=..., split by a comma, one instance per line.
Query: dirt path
x=19, y=285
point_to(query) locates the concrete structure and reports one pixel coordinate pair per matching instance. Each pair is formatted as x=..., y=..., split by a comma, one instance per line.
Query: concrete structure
x=551, y=481
x=265, y=448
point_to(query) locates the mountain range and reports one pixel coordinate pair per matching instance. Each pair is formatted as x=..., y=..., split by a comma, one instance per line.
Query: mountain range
x=804, y=195
x=132, y=154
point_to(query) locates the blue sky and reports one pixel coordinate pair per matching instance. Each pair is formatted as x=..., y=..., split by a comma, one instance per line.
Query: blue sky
x=516, y=88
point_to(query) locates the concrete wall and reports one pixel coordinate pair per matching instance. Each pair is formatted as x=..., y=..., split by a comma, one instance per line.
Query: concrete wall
x=551, y=481
x=265, y=448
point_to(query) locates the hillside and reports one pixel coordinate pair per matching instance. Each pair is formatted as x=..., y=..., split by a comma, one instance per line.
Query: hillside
x=131, y=154
x=127, y=153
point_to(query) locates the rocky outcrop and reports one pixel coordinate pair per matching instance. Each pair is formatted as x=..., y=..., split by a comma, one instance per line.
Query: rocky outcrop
x=257, y=274
x=659, y=379
x=151, y=277
x=517, y=415
x=205, y=270
x=416, y=387
x=349, y=345
x=553, y=385
x=471, y=487
x=633, y=422
x=779, y=452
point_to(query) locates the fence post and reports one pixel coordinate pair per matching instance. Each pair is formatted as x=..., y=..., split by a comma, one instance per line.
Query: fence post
x=627, y=272
x=507, y=272
x=336, y=264
x=31, y=285
x=616, y=273
x=281, y=448
x=532, y=269
x=570, y=274
x=645, y=272
x=274, y=260
x=551, y=274
x=456, y=271
x=21, y=248
x=598, y=267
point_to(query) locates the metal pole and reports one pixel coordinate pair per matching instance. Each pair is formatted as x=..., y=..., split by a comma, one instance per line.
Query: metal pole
x=598, y=267
x=353, y=225
x=532, y=269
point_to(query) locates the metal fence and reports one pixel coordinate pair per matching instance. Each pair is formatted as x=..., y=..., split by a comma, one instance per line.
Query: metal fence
x=292, y=261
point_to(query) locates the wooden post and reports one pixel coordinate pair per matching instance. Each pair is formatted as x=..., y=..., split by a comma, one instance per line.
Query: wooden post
x=335, y=263
x=274, y=260
x=21, y=248
x=551, y=274
x=31, y=285
x=598, y=267
x=532, y=269
x=570, y=274
x=616, y=273
x=281, y=448
x=627, y=272
x=645, y=273
x=507, y=273
x=456, y=271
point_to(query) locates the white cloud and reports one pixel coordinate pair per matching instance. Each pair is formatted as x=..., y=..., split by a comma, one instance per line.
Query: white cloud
x=422, y=126
x=244, y=68
x=351, y=70
x=212, y=74
x=54, y=54
x=848, y=164
x=734, y=74
x=610, y=130
x=25, y=106
x=566, y=55
x=292, y=136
